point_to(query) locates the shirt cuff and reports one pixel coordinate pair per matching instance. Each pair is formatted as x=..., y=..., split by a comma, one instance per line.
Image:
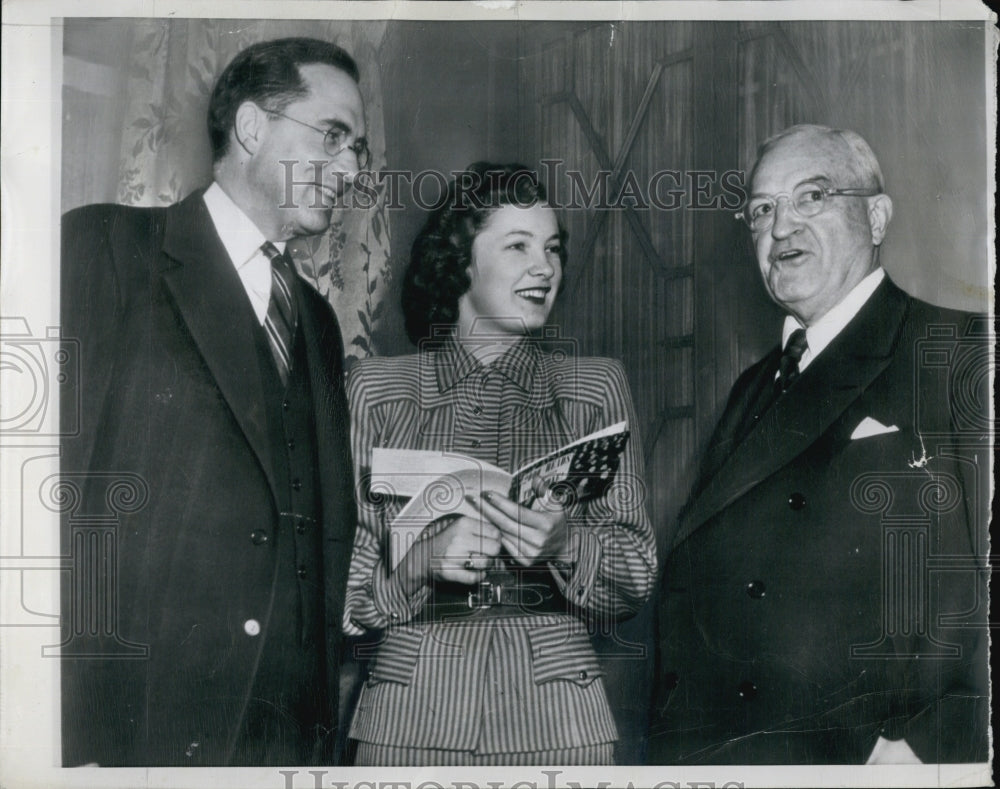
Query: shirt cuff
x=576, y=581
x=391, y=602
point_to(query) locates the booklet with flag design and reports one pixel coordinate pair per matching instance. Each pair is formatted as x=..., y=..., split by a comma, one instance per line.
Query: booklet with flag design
x=437, y=482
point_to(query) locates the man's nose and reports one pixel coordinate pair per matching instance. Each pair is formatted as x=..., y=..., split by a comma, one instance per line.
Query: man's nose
x=346, y=167
x=786, y=220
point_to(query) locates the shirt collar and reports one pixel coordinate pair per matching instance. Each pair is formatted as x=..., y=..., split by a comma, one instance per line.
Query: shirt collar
x=823, y=331
x=239, y=235
x=518, y=362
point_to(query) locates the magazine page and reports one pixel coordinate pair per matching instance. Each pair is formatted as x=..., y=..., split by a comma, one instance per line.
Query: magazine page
x=577, y=471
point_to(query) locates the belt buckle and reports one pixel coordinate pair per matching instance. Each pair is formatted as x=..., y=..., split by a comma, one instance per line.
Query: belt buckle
x=489, y=594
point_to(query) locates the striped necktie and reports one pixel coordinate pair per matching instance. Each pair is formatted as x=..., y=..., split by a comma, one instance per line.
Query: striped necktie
x=788, y=368
x=281, y=316
x=788, y=371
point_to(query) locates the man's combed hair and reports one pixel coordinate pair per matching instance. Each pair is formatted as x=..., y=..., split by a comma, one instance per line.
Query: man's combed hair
x=858, y=153
x=442, y=252
x=267, y=73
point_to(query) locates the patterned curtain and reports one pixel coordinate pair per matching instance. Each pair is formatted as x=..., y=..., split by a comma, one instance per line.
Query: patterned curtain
x=153, y=96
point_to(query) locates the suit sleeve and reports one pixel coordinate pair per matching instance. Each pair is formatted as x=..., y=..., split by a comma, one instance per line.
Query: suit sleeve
x=90, y=312
x=375, y=598
x=611, y=539
x=947, y=716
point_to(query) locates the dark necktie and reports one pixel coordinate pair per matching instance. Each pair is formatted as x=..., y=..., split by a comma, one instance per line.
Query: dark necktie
x=281, y=317
x=788, y=371
x=788, y=367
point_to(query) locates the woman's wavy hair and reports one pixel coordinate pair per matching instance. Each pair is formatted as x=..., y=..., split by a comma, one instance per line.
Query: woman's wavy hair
x=442, y=252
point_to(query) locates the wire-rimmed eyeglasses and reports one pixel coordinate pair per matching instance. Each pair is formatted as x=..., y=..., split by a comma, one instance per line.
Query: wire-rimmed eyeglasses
x=806, y=200
x=335, y=141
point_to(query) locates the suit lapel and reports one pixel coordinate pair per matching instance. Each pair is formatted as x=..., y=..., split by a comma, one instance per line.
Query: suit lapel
x=734, y=422
x=840, y=375
x=212, y=301
x=324, y=356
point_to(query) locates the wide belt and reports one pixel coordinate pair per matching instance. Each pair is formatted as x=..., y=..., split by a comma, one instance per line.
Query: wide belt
x=503, y=593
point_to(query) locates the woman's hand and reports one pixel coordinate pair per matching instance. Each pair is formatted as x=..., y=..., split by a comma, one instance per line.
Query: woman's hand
x=460, y=550
x=529, y=534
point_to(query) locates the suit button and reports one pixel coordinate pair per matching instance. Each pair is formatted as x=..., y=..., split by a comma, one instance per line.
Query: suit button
x=582, y=675
x=477, y=410
x=756, y=589
x=301, y=572
x=670, y=680
x=796, y=501
x=251, y=627
x=286, y=403
x=476, y=442
x=258, y=536
x=296, y=484
x=300, y=528
x=291, y=443
x=747, y=690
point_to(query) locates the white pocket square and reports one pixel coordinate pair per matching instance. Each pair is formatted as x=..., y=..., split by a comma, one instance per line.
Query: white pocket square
x=871, y=427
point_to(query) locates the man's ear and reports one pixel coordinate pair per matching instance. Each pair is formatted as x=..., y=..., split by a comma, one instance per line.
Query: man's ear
x=879, y=215
x=249, y=126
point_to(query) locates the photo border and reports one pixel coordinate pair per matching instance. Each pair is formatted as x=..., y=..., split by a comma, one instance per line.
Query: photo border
x=29, y=206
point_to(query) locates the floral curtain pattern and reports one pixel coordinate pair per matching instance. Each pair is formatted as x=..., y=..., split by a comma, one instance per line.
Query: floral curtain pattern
x=166, y=77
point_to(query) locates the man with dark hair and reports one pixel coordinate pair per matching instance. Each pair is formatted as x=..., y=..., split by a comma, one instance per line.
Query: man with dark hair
x=207, y=632
x=823, y=599
x=268, y=73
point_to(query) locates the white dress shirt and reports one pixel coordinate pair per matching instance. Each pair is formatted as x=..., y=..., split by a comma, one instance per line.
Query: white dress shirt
x=823, y=331
x=242, y=240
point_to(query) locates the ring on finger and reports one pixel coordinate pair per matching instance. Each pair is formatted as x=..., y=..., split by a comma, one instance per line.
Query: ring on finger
x=470, y=563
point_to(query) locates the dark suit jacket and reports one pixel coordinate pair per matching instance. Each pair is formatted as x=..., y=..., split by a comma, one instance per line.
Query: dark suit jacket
x=821, y=590
x=172, y=403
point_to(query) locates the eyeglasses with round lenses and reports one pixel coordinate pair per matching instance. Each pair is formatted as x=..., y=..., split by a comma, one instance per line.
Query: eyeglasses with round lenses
x=335, y=141
x=806, y=200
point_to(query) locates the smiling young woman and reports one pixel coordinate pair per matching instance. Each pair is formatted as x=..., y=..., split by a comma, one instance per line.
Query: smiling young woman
x=515, y=273
x=486, y=658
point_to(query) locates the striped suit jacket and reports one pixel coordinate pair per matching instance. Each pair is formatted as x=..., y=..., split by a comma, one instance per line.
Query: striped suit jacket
x=515, y=684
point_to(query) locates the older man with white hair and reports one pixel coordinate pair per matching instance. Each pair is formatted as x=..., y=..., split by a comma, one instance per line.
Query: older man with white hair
x=823, y=598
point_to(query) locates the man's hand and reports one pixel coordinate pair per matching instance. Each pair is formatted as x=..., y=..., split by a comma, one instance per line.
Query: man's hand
x=528, y=534
x=892, y=752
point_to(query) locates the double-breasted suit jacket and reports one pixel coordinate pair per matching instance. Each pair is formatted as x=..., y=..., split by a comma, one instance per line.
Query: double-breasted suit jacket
x=175, y=395
x=520, y=683
x=825, y=583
